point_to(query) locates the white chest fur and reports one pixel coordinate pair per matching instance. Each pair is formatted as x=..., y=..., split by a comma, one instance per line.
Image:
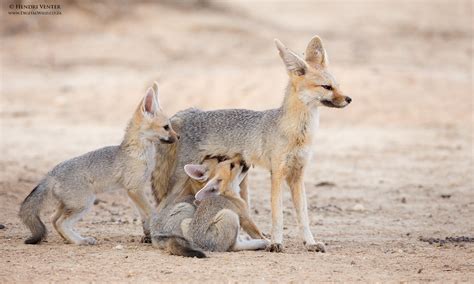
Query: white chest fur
x=304, y=152
x=149, y=156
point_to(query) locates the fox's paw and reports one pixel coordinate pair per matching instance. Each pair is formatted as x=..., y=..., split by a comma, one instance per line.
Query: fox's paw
x=274, y=247
x=317, y=247
x=146, y=239
x=265, y=244
x=89, y=241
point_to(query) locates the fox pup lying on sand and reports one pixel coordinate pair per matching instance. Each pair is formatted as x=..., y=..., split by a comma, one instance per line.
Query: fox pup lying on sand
x=165, y=225
x=215, y=224
x=75, y=182
x=168, y=220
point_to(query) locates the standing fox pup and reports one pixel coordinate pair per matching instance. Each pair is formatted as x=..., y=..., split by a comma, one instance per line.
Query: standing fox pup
x=75, y=182
x=279, y=140
x=217, y=220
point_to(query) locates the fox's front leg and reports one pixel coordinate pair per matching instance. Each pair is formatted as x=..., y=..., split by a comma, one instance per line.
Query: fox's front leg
x=250, y=227
x=277, y=212
x=298, y=194
x=144, y=208
x=244, y=192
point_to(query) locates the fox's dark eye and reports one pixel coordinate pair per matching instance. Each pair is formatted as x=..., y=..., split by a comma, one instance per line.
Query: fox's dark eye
x=327, y=87
x=166, y=127
x=232, y=166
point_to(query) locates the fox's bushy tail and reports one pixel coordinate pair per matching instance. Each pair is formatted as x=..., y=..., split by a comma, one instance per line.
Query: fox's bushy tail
x=177, y=245
x=30, y=214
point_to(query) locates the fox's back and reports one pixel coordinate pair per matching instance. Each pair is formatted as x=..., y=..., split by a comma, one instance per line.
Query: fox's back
x=223, y=132
x=92, y=168
x=94, y=162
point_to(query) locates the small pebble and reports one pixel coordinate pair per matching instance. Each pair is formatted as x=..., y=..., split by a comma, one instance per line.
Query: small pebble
x=2, y=226
x=325, y=183
x=358, y=207
x=118, y=247
x=97, y=201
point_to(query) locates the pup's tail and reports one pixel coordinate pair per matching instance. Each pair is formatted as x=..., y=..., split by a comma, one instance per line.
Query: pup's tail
x=29, y=214
x=176, y=245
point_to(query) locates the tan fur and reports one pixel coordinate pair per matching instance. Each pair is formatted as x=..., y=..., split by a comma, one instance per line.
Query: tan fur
x=163, y=170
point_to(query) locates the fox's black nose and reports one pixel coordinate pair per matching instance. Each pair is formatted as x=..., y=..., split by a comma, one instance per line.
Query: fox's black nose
x=348, y=100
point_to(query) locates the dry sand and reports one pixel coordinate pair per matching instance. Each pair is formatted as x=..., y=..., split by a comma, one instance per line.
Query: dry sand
x=395, y=165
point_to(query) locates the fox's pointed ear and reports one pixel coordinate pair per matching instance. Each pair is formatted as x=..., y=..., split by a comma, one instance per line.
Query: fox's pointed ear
x=316, y=54
x=293, y=62
x=197, y=172
x=149, y=102
x=157, y=95
x=210, y=189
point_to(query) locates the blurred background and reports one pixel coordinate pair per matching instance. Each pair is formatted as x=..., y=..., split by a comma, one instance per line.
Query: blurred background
x=70, y=82
x=404, y=62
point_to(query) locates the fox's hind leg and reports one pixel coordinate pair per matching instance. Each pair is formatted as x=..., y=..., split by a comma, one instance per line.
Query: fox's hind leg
x=66, y=222
x=54, y=219
x=223, y=231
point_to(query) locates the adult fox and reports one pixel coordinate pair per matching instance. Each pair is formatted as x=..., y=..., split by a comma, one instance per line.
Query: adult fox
x=279, y=139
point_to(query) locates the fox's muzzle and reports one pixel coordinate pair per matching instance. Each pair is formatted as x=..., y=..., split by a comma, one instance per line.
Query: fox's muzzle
x=172, y=138
x=337, y=102
x=169, y=140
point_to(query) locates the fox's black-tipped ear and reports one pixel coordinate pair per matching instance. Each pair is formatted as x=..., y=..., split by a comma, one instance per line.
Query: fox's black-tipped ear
x=197, y=172
x=316, y=54
x=293, y=62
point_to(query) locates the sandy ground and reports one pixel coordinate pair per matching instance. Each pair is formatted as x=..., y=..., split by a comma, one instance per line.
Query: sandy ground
x=394, y=166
